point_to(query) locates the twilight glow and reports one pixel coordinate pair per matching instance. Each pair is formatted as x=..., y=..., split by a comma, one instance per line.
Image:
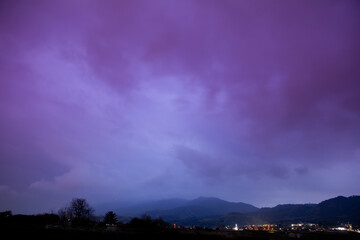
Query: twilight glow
x=252, y=101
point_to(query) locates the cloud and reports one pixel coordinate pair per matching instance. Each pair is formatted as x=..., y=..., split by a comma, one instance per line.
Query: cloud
x=115, y=98
x=199, y=162
x=301, y=170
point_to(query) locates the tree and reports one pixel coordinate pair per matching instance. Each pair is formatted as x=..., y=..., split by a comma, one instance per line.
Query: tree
x=78, y=212
x=81, y=209
x=65, y=215
x=110, y=218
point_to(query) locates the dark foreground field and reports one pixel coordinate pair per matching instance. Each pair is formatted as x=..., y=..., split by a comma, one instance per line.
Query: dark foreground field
x=50, y=226
x=137, y=233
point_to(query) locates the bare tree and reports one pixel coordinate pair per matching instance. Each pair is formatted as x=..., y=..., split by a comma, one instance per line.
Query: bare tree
x=81, y=209
x=65, y=214
x=78, y=212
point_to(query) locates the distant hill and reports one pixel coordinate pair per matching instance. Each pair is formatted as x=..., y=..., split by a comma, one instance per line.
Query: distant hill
x=220, y=206
x=201, y=209
x=286, y=213
x=339, y=209
x=213, y=212
x=332, y=211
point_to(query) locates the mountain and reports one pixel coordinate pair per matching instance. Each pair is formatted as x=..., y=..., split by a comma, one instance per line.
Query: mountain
x=339, y=209
x=219, y=206
x=201, y=209
x=331, y=211
x=286, y=213
x=212, y=212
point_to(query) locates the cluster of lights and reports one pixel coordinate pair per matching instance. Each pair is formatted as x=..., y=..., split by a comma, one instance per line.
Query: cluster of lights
x=265, y=227
x=294, y=226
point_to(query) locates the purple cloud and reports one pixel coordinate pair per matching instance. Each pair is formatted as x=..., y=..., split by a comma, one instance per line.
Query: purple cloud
x=138, y=100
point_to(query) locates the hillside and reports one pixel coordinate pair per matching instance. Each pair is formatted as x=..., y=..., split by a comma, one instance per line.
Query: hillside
x=331, y=211
x=201, y=208
x=211, y=212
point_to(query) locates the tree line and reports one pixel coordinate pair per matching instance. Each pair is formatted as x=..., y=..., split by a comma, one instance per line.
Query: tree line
x=78, y=213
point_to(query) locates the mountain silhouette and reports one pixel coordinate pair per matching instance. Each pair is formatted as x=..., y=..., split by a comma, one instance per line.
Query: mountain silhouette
x=332, y=211
x=339, y=209
x=210, y=212
x=200, y=209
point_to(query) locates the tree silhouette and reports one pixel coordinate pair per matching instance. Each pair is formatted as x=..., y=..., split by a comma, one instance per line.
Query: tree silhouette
x=78, y=212
x=81, y=209
x=110, y=218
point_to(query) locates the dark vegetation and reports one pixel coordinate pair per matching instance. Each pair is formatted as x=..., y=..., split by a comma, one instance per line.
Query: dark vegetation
x=48, y=226
x=78, y=212
x=110, y=218
x=76, y=221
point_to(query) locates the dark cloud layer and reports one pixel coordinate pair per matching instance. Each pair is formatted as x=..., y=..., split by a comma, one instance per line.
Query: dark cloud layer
x=154, y=99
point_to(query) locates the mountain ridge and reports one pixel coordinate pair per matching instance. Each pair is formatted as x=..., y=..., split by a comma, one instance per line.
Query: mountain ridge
x=202, y=207
x=330, y=211
x=212, y=211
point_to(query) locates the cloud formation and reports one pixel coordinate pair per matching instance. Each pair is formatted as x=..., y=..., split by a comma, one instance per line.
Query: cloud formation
x=249, y=101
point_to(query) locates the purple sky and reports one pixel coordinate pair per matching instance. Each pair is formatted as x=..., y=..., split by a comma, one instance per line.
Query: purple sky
x=252, y=101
